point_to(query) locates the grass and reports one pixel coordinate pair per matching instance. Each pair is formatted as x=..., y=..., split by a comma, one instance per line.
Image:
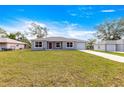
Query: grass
x=114, y=53
x=58, y=68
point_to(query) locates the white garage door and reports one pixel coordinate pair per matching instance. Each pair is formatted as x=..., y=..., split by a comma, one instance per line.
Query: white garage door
x=81, y=46
x=111, y=48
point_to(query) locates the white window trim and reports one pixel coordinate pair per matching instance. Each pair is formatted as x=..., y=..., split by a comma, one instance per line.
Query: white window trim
x=59, y=43
x=38, y=47
x=72, y=45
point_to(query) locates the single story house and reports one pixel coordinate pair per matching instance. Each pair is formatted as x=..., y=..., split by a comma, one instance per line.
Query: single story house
x=57, y=43
x=6, y=43
x=110, y=45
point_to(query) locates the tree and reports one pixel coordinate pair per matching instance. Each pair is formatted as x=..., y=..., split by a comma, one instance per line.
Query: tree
x=16, y=36
x=19, y=37
x=90, y=43
x=111, y=30
x=38, y=30
x=3, y=33
x=24, y=39
x=11, y=36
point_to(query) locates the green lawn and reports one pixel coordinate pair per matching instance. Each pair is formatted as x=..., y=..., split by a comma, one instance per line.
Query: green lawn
x=58, y=68
x=114, y=53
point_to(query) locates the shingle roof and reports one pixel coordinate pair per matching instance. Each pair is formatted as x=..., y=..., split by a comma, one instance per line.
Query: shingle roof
x=7, y=40
x=58, y=39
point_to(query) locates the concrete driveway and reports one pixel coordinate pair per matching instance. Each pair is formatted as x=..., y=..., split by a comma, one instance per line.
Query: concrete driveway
x=105, y=55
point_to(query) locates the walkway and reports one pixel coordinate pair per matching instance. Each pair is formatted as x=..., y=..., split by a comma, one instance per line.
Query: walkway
x=105, y=55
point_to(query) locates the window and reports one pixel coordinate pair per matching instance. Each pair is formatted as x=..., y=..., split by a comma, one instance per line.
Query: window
x=17, y=45
x=58, y=44
x=38, y=44
x=69, y=44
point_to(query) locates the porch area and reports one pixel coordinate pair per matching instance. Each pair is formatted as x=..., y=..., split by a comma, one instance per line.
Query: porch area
x=54, y=45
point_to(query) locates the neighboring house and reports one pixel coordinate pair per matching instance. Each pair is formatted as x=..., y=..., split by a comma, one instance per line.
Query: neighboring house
x=57, y=43
x=6, y=43
x=110, y=45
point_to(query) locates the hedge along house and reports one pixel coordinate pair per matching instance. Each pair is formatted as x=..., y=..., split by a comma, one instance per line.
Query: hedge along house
x=6, y=43
x=110, y=45
x=51, y=43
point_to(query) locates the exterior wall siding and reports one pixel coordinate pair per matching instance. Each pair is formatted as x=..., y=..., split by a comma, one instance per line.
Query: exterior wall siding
x=63, y=45
x=11, y=46
x=111, y=47
x=80, y=45
x=3, y=45
x=15, y=46
x=99, y=47
x=108, y=47
x=120, y=47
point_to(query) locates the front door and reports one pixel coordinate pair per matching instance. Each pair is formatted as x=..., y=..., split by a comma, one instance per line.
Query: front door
x=50, y=45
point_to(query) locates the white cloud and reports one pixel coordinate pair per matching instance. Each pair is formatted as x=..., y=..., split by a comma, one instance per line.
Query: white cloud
x=109, y=10
x=71, y=31
x=19, y=25
x=81, y=34
x=82, y=12
x=86, y=8
x=64, y=29
x=84, y=35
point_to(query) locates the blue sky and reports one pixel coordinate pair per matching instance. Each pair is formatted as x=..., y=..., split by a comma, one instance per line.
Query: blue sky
x=69, y=21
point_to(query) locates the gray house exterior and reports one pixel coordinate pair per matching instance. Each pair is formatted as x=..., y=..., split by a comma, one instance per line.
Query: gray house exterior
x=110, y=45
x=51, y=43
